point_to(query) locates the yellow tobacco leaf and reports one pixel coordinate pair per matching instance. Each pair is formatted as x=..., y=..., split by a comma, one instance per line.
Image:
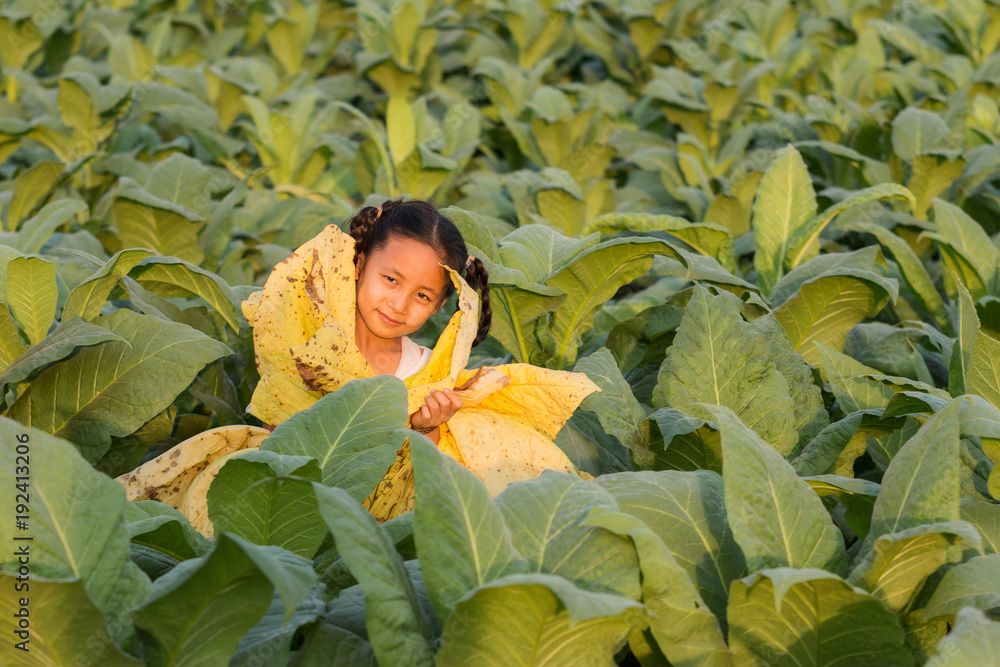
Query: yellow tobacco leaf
x=169, y=477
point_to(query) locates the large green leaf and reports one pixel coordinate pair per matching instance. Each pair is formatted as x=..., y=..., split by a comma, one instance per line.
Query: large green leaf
x=911, y=267
x=37, y=230
x=708, y=239
x=615, y=406
x=853, y=391
x=784, y=204
x=11, y=348
x=62, y=342
x=76, y=522
x=921, y=484
x=825, y=308
x=686, y=510
x=121, y=385
x=685, y=629
x=354, y=433
x=776, y=518
x=544, y=516
x=803, y=245
x=87, y=298
x=268, y=642
x=173, y=277
x=267, y=498
x=968, y=236
x=536, y=619
x=147, y=221
x=974, y=583
x=66, y=627
x=397, y=628
x=460, y=533
x=918, y=132
x=967, y=328
x=32, y=295
x=591, y=279
x=718, y=359
x=985, y=516
x=807, y=399
x=517, y=305
x=974, y=640
x=896, y=568
x=984, y=369
x=159, y=526
x=819, y=454
x=199, y=611
x=785, y=617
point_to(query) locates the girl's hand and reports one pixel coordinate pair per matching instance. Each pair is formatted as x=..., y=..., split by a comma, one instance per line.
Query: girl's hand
x=438, y=407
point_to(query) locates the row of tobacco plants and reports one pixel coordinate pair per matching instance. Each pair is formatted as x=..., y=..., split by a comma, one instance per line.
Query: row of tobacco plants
x=767, y=230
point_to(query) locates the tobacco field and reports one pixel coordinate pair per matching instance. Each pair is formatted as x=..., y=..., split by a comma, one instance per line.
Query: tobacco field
x=768, y=231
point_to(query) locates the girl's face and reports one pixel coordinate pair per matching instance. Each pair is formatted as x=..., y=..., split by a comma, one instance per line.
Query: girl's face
x=399, y=287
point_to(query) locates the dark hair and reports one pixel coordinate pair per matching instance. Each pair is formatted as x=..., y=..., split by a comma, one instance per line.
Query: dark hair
x=420, y=220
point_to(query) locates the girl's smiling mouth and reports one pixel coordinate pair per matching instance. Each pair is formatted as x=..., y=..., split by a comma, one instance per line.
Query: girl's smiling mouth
x=390, y=322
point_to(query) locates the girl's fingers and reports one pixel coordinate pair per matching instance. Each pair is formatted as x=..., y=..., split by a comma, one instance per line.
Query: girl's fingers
x=456, y=402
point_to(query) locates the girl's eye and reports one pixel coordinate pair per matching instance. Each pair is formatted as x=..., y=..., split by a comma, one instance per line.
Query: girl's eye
x=423, y=296
x=390, y=279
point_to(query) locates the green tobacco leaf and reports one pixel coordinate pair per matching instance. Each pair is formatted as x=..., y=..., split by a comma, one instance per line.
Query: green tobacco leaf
x=776, y=518
x=354, y=433
x=76, y=522
x=517, y=305
x=967, y=235
x=183, y=181
x=32, y=295
x=932, y=175
x=59, y=344
x=268, y=642
x=708, y=239
x=820, y=454
x=685, y=630
x=896, y=568
x=37, y=230
x=868, y=259
x=968, y=331
x=591, y=279
x=985, y=516
x=121, y=385
x=686, y=510
x=615, y=406
x=460, y=533
x=31, y=187
x=807, y=399
x=544, y=518
x=974, y=640
x=974, y=583
x=921, y=484
x=158, y=526
x=984, y=369
x=847, y=378
x=400, y=130
x=173, y=277
x=267, y=498
x=718, y=359
x=785, y=617
x=146, y=221
x=803, y=246
x=397, y=629
x=201, y=609
x=958, y=266
x=538, y=251
x=918, y=132
x=825, y=308
x=536, y=619
x=911, y=267
x=66, y=627
x=87, y=298
x=682, y=443
x=857, y=496
x=784, y=204
x=11, y=348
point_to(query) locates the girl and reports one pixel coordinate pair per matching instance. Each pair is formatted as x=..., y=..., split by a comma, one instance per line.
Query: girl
x=399, y=249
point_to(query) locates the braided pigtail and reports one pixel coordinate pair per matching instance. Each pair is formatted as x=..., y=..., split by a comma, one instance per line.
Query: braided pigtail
x=478, y=278
x=361, y=228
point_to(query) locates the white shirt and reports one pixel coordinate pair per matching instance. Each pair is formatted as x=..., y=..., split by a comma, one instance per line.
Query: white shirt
x=412, y=359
